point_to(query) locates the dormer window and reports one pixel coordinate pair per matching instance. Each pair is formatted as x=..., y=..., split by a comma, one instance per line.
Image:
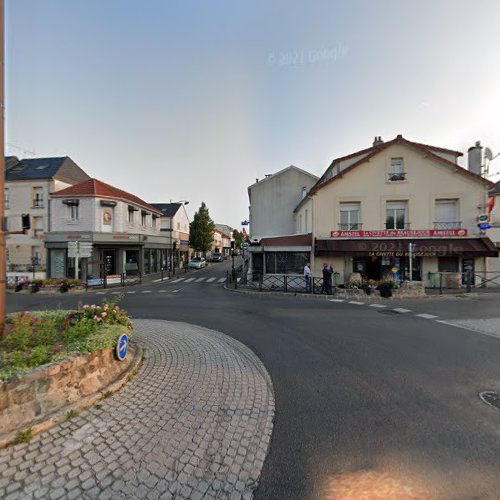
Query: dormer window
x=397, y=172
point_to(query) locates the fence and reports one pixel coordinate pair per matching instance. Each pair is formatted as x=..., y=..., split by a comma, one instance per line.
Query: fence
x=484, y=280
x=106, y=281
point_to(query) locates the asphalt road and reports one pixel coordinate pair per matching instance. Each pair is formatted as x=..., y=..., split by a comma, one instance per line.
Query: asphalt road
x=366, y=398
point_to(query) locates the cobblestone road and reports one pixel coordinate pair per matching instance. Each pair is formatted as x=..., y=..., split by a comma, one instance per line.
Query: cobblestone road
x=194, y=423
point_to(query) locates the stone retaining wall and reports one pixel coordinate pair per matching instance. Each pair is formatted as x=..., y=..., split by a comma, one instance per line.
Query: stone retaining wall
x=36, y=395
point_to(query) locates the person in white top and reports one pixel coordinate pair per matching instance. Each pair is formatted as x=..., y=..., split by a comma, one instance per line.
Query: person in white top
x=307, y=276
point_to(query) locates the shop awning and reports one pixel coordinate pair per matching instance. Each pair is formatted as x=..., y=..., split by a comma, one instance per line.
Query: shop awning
x=466, y=247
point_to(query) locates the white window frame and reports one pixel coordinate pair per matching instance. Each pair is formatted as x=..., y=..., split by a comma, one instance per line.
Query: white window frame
x=397, y=171
x=453, y=220
x=395, y=207
x=353, y=220
x=73, y=214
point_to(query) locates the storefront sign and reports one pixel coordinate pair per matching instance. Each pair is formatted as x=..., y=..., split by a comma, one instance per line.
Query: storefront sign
x=401, y=233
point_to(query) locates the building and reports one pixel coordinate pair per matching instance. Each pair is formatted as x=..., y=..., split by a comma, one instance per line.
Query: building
x=28, y=184
x=174, y=223
x=273, y=199
x=226, y=236
x=122, y=230
x=493, y=214
x=373, y=209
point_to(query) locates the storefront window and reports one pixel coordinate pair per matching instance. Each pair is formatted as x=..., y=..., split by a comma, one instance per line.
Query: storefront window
x=286, y=262
x=57, y=263
x=147, y=261
x=132, y=262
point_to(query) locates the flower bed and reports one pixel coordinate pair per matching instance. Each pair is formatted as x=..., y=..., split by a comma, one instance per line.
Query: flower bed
x=49, y=285
x=34, y=339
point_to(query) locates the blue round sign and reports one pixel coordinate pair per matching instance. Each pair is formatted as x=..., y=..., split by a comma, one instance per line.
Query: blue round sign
x=121, y=347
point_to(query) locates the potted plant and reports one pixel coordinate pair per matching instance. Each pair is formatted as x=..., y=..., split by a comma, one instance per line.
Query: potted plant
x=369, y=286
x=385, y=288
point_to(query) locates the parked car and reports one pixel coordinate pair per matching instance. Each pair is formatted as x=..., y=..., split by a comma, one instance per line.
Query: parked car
x=217, y=257
x=197, y=263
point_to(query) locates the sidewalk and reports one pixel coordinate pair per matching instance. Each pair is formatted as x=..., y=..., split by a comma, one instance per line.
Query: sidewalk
x=195, y=423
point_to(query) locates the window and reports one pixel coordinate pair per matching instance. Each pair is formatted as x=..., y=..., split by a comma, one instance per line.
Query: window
x=37, y=197
x=130, y=216
x=144, y=218
x=286, y=262
x=73, y=213
x=396, y=215
x=306, y=217
x=397, y=170
x=300, y=223
x=38, y=226
x=6, y=197
x=349, y=216
x=447, y=214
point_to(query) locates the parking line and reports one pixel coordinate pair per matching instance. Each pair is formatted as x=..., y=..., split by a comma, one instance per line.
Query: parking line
x=356, y=303
x=402, y=310
x=378, y=305
x=426, y=316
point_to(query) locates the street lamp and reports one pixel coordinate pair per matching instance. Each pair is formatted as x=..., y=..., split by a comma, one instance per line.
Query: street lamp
x=172, y=267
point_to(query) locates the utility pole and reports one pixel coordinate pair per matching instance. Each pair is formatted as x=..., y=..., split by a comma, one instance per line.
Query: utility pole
x=411, y=260
x=3, y=253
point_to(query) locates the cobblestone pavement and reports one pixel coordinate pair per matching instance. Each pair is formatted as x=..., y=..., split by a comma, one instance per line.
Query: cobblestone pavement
x=194, y=423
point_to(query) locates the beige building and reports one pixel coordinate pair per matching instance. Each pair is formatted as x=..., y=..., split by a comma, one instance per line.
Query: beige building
x=28, y=184
x=374, y=208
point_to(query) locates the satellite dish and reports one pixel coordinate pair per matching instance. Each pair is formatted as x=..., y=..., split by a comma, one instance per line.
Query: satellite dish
x=488, y=154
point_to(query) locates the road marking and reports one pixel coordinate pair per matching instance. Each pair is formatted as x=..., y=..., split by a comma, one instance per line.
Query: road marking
x=426, y=316
x=199, y=280
x=356, y=303
x=189, y=280
x=147, y=291
x=221, y=280
x=178, y=280
x=175, y=291
x=402, y=310
x=378, y=305
x=100, y=293
x=131, y=292
x=209, y=280
x=116, y=293
x=161, y=279
x=336, y=300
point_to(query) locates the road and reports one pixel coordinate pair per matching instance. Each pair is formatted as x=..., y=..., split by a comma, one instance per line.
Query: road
x=366, y=397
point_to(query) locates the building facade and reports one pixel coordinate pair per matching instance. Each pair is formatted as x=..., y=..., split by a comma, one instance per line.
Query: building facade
x=374, y=210
x=28, y=185
x=122, y=231
x=174, y=223
x=273, y=199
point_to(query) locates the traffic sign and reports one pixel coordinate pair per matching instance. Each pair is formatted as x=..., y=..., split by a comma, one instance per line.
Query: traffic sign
x=483, y=218
x=85, y=249
x=72, y=249
x=122, y=347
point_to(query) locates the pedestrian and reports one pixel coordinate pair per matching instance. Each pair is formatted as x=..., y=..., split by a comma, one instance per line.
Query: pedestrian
x=327, y=279
x=307, y=276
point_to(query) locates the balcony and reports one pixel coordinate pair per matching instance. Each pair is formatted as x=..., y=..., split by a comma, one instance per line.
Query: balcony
x=37, y=203
x=396, y=176
x=350, y=226
x=448, y=225
x=397, y=226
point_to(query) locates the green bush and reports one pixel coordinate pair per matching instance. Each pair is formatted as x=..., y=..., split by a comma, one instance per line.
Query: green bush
x=34, y=339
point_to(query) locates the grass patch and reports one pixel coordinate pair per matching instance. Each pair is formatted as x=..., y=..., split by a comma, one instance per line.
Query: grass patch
x=35, y=339
x=24, y=436
x=71, y=414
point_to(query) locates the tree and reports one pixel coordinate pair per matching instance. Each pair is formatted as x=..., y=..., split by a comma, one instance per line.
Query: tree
x=201, y=230
x=238, y=238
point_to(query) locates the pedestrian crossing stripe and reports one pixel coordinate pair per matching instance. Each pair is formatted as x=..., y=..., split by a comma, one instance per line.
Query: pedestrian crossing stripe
x=189, y=280
x=178, y=280
x=209, y=280
x=199, y=280
x=221, y=280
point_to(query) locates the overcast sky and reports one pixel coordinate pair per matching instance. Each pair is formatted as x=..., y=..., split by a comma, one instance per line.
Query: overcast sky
x=194, y=100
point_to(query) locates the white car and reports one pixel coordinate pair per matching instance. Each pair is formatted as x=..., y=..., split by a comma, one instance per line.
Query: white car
x=197, y=263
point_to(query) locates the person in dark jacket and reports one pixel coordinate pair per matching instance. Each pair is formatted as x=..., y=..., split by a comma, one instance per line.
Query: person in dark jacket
x=327, y=279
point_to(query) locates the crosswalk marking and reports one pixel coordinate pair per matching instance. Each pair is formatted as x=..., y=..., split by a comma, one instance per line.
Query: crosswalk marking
x=100, y=293
x=336, y=300
x=221, y=280
x=189, y=280
x=402, y=310
x=147, y=291
x=355, y=302
x=209, y=280
x=426, y=316
x=199, y=280
x=131, y=292
x=116, y=293
x=178, y=280
x=378, y=305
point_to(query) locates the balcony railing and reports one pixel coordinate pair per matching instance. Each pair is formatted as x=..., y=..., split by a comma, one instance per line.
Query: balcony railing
x=397, y=176
x=399, y=226
x=448, y=225
x=37, y=203
x=350, y=226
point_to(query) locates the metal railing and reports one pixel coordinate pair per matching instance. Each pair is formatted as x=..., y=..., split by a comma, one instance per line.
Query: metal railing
x=396, y=226
x=397, y=176
x=448, y=225
x=350, y=226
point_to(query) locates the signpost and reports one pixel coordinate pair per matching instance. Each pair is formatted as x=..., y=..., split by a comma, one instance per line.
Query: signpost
x=121, y=347
x=78, y=250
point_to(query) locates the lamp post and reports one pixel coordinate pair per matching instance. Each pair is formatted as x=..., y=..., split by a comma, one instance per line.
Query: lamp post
x=172, y=247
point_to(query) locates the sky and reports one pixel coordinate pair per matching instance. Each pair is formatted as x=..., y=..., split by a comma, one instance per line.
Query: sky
x=194, y=100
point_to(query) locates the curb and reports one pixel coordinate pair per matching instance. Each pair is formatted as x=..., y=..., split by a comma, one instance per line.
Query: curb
x=85, y=403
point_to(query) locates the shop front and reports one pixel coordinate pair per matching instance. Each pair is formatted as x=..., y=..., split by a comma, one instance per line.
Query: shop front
x=425, y=258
